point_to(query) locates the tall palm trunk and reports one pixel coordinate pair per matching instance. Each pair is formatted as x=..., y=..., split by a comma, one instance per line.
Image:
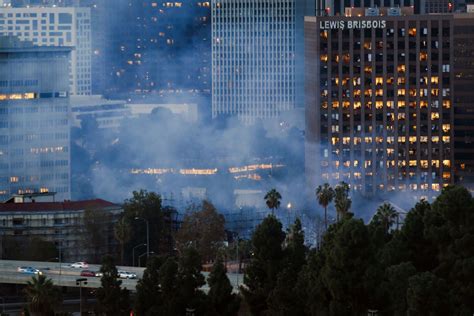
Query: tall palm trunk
x=326, y=217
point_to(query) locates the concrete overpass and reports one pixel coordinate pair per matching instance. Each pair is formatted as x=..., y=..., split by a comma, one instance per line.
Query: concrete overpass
x=63, y=275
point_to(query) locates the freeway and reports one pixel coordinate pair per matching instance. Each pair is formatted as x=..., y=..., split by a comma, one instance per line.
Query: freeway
x=63, y=275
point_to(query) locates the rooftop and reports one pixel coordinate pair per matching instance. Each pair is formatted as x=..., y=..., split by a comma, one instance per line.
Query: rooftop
x=56, y=206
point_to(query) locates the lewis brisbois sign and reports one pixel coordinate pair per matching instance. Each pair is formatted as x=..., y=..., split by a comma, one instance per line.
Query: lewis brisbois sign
x=352, y=24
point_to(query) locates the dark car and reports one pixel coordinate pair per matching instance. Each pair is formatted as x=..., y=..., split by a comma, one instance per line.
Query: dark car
x=87, y=273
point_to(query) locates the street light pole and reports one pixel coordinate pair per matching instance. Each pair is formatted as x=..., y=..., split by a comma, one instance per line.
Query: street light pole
x=140, y=258
x=79, y=282
x=59, y=260
x=289, y=210
x=147, y=236
x=133, y=252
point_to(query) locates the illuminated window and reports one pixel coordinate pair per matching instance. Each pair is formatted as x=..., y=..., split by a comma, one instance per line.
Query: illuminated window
x=401, y=68
x=346, y=104
x=446, y=128
x=401, y=92
x=423, y=104
x=401, y=80
x=435, y=139
x=357, y=105
x=423, y=56
x=401, y=139
x=379, y=104
x=412, y=139
x=324, y=58
x=335, y=104
x=379, y=80
x=368, y=140
x=434, y=115
x=446, y=139
x=423, y=139
x=446, y=175
x=434, y=80
x=446, y=104
x=424, y=164
x=447, y=163
x=412, y=163
x=334, y=140
x=435, y=163
x=435, y=186
x=17, y=96
x=14, y=179
x=346, y=140
x=401, y=104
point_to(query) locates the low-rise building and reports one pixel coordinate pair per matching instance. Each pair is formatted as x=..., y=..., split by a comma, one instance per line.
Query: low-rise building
x=70, y=225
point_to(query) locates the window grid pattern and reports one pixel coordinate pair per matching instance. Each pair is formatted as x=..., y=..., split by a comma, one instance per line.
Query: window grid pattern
x=253, y=65
x=55, y=26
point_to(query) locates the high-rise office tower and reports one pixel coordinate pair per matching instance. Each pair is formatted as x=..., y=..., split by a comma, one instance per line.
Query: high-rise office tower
x=438, y=6
x=338, y=7
x=34, y=119
x=162, y=47
x=464, y=99
x=55, y=26
x=379, y=104
x=257, y=57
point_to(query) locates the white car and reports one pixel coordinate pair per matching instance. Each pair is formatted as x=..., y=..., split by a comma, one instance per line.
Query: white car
x=29, y=270
x=79, y=265
x=126, y=275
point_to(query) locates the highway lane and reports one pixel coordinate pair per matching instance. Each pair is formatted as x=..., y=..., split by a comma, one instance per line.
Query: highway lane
x=64, y=275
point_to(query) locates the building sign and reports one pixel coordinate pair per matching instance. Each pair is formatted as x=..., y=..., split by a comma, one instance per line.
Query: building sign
x=364, y=24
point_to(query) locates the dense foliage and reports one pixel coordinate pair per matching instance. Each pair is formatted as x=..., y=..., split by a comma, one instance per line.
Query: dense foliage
x=424, y=266
x=204, y=229
x=112, y=300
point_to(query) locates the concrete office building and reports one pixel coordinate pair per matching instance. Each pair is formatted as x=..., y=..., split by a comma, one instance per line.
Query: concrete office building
x=34, y=119
x=37, y=215
x=379, y=107
x=108, y=114
x=257, y=57
x=464, y=99
x=55, y=26
x=338, y=7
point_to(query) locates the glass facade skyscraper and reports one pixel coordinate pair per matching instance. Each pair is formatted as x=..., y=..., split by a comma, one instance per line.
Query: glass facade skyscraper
x=34, y=119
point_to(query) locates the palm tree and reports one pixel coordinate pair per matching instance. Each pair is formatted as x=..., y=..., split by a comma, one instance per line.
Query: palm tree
x=42, y=296
x=325, y=194
x=122, y=232
x=342, y=201
x=272, y=199
x=385, y=216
